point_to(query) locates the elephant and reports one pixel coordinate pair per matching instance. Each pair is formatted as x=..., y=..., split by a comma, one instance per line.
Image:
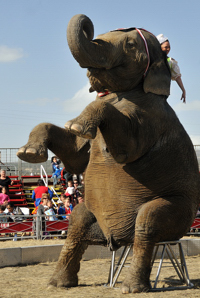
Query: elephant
x=141, y=174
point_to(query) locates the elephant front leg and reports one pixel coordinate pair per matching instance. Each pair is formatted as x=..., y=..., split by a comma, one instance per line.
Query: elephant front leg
x=83, y=230
x=72, y=150
x=114, y=127
x=35, y=150
x=68, y=266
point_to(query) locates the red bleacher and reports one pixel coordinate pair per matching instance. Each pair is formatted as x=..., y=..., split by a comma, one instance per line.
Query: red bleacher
x=16, y=192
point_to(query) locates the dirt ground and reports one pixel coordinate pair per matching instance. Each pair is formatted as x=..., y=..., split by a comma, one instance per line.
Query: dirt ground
x=31, y=281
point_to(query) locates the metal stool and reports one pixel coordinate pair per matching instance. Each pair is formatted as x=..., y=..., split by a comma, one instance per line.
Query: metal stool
x=180, y=267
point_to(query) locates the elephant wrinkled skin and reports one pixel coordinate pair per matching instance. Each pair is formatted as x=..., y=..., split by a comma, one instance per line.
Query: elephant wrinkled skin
x=141, y=173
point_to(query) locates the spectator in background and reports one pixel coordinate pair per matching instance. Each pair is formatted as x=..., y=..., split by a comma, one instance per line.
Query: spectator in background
x=76, y=192
x=3, y=217
x=81, y=195
x=61, y=209
x=68, y=210
x=50, y=211
x=80, y=199
x=56, y=170
x=70, y=189
x=38, y=191
x=4, y=198
x=43, y=207
x=5, y=181
x=66, y=175
x=13, y=211
x=43, y=204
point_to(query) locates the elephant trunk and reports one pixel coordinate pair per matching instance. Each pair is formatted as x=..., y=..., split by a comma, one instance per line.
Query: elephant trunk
x=87, y=52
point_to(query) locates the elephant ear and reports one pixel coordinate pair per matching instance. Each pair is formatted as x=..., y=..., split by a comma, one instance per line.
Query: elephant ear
x=158, y=78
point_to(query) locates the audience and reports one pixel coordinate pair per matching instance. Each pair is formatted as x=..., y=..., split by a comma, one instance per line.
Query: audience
x=42, y=195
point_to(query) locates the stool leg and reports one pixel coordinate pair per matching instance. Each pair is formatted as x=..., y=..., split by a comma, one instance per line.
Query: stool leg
x=122, y=264
x=110, y=278
x=154, y=255
x=184, y=266
x=160, y=265
x=171, y=256
x=120, y=258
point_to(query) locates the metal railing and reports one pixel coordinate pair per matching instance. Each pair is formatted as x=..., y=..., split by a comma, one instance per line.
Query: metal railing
x=31, y=227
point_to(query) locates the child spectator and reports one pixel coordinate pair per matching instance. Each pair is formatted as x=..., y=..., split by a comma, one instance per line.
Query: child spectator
x=71, y=198
x=3, y=217
x=70, y=189
x=50, y=211
x=68, y=210
x=4, y=198
x=61, y=208
x=173, y=64
x=13, y=211
x=56, y=170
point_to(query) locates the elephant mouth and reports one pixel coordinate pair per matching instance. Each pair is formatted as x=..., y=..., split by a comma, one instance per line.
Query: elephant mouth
x=95, y=75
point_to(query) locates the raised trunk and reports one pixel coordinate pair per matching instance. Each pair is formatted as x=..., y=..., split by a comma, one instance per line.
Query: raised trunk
x=88, y=53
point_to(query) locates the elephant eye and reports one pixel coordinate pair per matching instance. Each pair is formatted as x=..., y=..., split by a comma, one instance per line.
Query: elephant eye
x=131, y=43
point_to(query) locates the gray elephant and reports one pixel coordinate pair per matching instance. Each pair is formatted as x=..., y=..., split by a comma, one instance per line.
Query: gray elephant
x=142, y=181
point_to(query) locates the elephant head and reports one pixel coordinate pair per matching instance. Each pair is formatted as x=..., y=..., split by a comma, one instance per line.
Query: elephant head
x=117, y=60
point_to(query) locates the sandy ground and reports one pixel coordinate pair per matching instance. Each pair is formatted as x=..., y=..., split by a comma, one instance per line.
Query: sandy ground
x=31, y=281
x=30, y=242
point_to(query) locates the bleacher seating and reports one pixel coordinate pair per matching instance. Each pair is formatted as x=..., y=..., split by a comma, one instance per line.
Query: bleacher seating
x=29, y=183
x=16, y=192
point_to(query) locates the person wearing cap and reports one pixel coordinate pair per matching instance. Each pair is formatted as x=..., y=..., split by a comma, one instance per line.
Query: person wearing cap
x=173, y=64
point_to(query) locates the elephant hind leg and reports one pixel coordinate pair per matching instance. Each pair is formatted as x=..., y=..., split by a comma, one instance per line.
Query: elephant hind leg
x=158, y=220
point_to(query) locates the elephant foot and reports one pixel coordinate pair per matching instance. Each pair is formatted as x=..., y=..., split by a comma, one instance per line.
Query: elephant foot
x=134, y=288
x=61, y=281
x=81, y=130
x=33, y=153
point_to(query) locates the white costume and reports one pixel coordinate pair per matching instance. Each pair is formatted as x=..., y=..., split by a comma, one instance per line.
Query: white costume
x=173, y=64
